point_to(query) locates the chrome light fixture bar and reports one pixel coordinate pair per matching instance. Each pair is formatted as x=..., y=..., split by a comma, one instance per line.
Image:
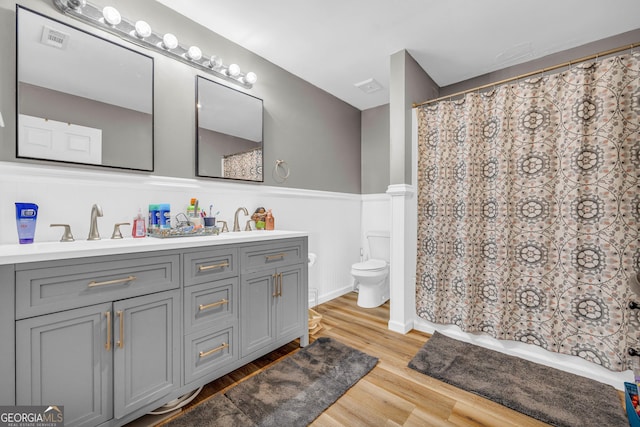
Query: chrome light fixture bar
x=141, y=34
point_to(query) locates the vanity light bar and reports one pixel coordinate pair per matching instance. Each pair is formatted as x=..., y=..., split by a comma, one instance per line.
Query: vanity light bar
x=140, y=33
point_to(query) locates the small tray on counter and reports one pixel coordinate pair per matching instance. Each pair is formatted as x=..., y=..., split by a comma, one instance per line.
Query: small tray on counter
x=166, y=233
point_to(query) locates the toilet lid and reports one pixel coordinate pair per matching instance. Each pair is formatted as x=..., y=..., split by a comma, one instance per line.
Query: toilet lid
x=369, y=265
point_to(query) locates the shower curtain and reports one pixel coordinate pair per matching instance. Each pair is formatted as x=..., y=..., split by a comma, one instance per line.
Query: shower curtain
x=246, y=165
x=529, y=211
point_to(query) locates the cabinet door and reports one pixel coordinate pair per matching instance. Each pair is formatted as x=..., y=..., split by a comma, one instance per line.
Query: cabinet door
x=146, y=349
x=63, y=359
x=257, y=303
x=7, y=336
x=291, y=318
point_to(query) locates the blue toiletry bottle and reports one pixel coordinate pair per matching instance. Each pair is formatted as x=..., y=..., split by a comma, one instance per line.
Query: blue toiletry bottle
x=153, y=216
x=26, y=215
x=164, y=210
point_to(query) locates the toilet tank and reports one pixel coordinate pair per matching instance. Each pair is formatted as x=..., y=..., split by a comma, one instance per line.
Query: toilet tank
x=379, y=245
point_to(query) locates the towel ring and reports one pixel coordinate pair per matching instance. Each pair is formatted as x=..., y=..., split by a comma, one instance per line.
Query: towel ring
x=281, y=164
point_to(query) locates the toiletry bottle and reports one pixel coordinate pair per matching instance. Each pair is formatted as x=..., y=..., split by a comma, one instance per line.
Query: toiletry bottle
x=270, y=222
x=153, y=216
x=139, y=228
x=26, y=215
x=164, y=210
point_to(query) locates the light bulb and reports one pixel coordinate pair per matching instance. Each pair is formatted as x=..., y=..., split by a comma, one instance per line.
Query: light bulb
x=251, y=78
x=194, y=53
x=169, y=41
x=111, y=15
x=142, y=29
x=234, y=70
x=215, y=62
x=76, y=4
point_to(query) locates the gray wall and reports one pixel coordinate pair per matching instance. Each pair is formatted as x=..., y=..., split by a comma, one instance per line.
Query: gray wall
x=624, y=39
x=409, y=84
x=213, y=146
x=375, y=150
x=126, y=133
x=318, y=135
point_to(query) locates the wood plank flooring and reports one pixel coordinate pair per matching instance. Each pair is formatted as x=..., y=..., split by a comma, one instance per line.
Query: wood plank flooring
x=392, y=394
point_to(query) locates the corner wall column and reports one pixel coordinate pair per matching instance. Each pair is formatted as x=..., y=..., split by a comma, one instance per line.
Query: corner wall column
x=403, y=255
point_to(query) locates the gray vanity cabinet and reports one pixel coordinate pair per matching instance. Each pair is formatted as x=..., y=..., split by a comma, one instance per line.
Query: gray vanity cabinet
x=62, y=360
x=272, y=301
x=210, y=313
x=273, y=295
x=113, y=337
x=100, y=336
x=7, y=336
x=100, y=361
x=146, y=350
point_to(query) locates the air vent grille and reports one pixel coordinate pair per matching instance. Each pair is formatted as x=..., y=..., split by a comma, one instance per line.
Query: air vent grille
x=369, y=86
x=54, y=38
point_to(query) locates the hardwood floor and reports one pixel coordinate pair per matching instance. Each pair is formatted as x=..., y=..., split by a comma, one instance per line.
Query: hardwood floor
x=392, y=394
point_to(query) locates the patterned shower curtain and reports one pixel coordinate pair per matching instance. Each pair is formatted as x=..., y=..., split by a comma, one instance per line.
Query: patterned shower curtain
x=529, y=211
x=246, y=165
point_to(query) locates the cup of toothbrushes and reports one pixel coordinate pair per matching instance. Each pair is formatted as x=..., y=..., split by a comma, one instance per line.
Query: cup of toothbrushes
x=26, y=216
x=209, y=221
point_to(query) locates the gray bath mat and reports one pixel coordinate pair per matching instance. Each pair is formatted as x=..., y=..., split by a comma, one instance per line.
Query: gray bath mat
x=292, y=392
x=550, y=395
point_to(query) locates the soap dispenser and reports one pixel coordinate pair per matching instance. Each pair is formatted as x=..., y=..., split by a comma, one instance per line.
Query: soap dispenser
x=269, y=221
x=139, y=227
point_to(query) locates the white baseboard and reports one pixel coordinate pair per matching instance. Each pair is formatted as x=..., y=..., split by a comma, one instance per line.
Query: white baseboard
x=333, y=294
x=402, y=328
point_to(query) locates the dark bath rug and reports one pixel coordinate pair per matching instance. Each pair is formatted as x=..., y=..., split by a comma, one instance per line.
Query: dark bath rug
x=293, y=392
x=556, y=397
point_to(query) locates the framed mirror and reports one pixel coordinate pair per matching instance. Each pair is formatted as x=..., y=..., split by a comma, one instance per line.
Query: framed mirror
x=228, y=132
x=81, y=98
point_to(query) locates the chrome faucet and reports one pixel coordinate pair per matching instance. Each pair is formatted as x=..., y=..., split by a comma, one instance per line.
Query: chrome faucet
x=96, y=211
x=236, y=226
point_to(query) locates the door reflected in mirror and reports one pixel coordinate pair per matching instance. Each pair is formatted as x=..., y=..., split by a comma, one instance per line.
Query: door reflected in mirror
x=81, y=98
x=229, y=132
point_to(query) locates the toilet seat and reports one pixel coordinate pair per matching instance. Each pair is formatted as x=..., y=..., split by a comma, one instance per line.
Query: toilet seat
x=370, y=265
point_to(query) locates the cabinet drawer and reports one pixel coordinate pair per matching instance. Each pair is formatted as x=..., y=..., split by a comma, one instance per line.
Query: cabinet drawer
x=207, y=265
x=272, y=255
x=207, y=352
x=49, y=287
x=210, y=305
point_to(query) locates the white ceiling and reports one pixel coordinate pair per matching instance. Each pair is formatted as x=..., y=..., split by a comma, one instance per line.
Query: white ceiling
x=335, y=44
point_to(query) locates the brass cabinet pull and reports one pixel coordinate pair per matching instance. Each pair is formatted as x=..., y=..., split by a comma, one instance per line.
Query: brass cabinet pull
x=275, y=285
x=107, y=345
x=280, y=255
x=120, y=342
x=213, y=304
x=213, y=266
x=213, y=350
x=112, y=282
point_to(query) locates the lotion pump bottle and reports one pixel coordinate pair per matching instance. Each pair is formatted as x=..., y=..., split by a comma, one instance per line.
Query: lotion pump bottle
x=269, y=221
x=139, y=228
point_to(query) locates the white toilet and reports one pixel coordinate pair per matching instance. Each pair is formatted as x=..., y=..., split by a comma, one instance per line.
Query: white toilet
x=372, y=276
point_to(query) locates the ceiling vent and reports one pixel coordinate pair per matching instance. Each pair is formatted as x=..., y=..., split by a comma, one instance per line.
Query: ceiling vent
x=369, y=86
x=54, y=38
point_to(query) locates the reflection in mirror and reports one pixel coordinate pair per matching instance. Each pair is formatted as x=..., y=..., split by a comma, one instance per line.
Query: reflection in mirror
x=81, y=98
x=229, y=132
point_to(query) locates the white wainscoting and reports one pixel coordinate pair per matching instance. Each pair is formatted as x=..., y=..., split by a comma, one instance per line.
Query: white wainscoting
x=376, y=215
x=65, y=195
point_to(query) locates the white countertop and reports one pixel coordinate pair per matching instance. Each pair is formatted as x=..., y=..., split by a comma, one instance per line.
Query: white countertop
x=48, y=251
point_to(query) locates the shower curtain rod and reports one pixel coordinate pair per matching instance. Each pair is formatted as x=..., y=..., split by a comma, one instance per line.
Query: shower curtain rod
x=532, y=73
